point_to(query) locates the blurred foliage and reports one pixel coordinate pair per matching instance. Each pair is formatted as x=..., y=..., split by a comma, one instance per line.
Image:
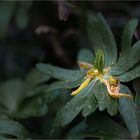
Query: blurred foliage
x=8, y=10
x=35, y=103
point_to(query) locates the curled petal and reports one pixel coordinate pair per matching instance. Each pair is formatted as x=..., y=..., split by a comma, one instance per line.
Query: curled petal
x=83, y=85
x=114, y=91
x=118, y=95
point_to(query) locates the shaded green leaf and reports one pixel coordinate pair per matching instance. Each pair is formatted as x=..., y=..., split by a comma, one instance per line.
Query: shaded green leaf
x=137, y=99
x=101, y=126
x=132, y=58
x=12, y=128
x=75, y=133
x=130, y=75
x=6, y=12
x=21, y=99
x=60, y=73
x=72, y=108
x=131, y=54
x=101, y=37
x=90, y=105
x=137, y=103
x=11, y=94
x=99, y=61
x=86, y=55
x=36, y=77
x=55, y=94
x=22, y=16
x=112, y=108
x=51, y=90
x=101, y=95
x=63, y=85
x=96, y=134
x=136, y=84
x=34, y=106
x=128, y=112
x=127, y=36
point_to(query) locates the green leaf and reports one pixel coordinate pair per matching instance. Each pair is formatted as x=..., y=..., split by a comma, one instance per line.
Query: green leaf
x=34, y=78
x=60, y=73
x=128, y=54
x=101, y=126
x=137, y=103
x=137, y=99
x=11, y=95
x=112, y=108
x=101, y=37
x=55, y=94
x=6, y=12
x=90, y=105
x=75, y=132
x=131, y=54
x=130, y=75
x=22, y=16
x=50, y=90
x=18, y=100
x=32, y=107
x=99, y=61
x=96, y=134
x=127, y=36
x=85, y=55
x=128, y=112
x=64, y=85
x=136, y=84
x=72, y=108
x=12, y=128
x=132, y=58
x=101, y=95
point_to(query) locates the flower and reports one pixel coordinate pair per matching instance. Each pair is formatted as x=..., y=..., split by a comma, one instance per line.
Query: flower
x=97, y=71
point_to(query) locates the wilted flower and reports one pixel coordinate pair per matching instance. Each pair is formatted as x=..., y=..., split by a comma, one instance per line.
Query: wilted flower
x=97, y=71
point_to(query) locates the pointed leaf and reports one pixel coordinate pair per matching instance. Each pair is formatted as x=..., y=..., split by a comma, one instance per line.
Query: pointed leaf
x=101, y=37
x=60, y=73
x=132, y=58
x=130, y=75
x=64, y=85
x=127, y=35
x=131, y=54
x=59, y=85
x=36, y=77
x=72, y=108
x=128, y=112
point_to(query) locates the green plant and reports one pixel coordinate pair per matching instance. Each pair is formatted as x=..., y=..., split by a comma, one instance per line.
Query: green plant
x=95, y=95
x=21, y=99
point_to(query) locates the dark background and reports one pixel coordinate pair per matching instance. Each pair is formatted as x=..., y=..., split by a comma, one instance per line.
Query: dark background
x=47, y=34
x=52, y=32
